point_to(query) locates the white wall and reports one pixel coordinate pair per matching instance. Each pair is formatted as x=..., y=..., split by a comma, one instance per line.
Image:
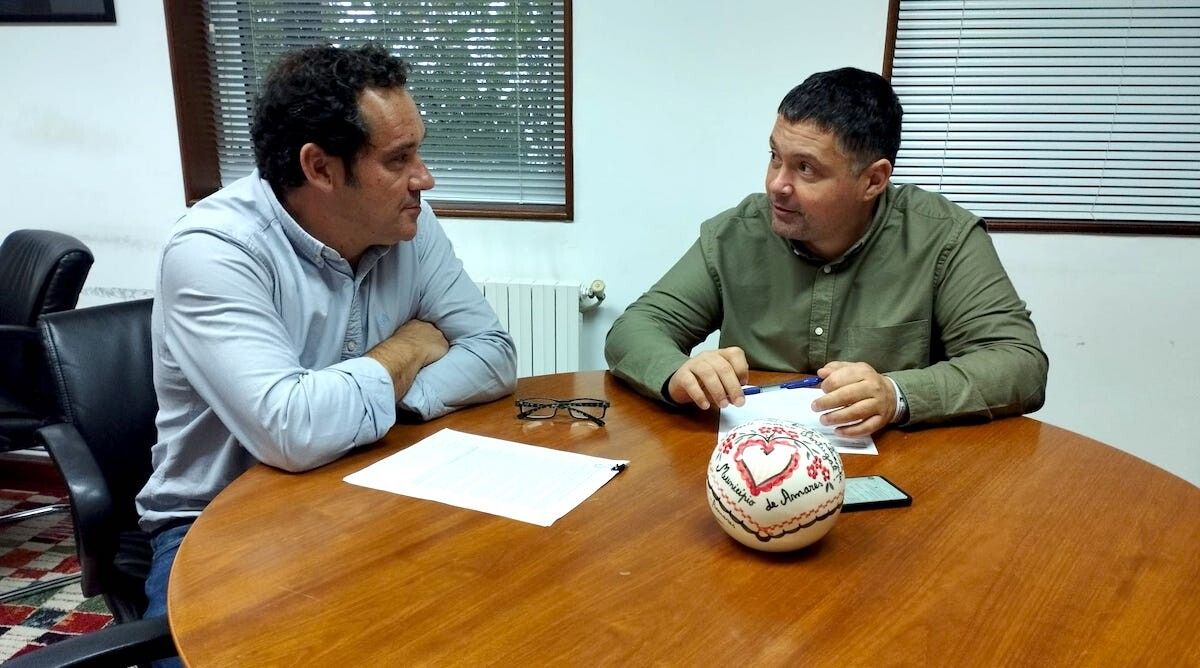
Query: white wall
x=672, y=113
x=1119, y=318
x=88, y=134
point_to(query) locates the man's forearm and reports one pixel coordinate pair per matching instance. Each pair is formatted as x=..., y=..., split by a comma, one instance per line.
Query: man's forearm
x=653, y=337
x=475, y=369
x=639, y=353
x=415, y=345
x=1009, y=379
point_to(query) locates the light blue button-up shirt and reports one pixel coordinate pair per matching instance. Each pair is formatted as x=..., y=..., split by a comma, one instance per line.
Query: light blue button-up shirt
x=258, y=332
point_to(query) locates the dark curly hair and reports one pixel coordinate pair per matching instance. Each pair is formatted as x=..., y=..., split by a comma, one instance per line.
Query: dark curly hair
x=311, y=95
x=859, y=107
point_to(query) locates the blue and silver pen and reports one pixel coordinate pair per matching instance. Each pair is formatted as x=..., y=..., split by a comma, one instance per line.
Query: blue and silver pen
x=803, y=382
x=789, y=385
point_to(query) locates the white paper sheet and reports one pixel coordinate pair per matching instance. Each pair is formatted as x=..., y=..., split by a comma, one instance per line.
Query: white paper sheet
x=523, y=482
x=794, y=405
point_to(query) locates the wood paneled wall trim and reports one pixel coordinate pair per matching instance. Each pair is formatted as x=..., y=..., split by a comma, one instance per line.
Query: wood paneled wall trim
x=192, y=80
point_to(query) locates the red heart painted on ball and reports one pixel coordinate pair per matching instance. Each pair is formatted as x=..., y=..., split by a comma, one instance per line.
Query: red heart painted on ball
x=763, y=464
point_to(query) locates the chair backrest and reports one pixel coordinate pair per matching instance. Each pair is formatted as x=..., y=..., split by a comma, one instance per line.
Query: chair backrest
x=102, y=364
x=42, y=272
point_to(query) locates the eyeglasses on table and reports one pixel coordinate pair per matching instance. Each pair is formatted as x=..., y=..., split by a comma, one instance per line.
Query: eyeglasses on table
x=580, y=408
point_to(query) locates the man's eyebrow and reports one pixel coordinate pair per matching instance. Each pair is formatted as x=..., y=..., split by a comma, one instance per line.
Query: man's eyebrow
x=796, y=155
x=400, y=148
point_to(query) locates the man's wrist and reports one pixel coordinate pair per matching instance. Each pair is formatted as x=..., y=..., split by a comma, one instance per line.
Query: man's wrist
x=665, y=393
x=901, y=414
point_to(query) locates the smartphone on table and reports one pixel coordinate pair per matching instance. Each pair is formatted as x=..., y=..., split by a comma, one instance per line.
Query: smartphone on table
x=873, y=491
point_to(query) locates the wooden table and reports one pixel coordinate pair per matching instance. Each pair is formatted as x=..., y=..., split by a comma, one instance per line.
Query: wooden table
x=1025, y=545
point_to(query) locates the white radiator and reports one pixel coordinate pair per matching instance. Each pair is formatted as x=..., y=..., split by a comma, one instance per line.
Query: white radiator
x=543, y=318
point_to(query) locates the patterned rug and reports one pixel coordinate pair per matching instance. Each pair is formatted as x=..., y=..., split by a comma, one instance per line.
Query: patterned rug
x=38, y=550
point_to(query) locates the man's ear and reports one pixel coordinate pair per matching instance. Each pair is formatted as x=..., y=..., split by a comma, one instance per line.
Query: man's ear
x=874, y=178
x=321, y=170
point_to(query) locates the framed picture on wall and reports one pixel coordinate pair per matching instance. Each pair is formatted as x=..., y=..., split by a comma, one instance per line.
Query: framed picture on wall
x=57, y=11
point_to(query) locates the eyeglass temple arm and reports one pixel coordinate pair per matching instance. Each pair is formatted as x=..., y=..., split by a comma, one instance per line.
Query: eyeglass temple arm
x=593, y=418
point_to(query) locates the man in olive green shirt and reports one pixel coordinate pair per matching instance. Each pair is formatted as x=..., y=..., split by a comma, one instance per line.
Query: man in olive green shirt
x=893, y=296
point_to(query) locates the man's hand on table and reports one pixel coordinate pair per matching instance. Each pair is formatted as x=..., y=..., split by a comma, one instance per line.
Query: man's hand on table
x=861, y=392
x=712, y=378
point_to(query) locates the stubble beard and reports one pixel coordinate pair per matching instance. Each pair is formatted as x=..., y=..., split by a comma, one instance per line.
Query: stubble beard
x=794, y=228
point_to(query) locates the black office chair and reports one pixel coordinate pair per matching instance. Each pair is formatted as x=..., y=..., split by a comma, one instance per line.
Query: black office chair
x=101, y=361
x=40, y=272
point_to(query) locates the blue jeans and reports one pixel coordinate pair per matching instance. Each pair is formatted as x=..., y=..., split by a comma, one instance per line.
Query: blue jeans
x=165, y=544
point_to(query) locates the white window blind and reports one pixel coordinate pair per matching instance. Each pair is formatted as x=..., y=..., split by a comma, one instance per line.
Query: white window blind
x=489, y=77
x=1076, y=110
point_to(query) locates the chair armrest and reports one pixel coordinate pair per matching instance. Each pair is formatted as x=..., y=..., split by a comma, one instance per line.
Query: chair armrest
x=24, y=375
x=20, y=349
x=96, y=527
x=19, y=333
x=127, y=644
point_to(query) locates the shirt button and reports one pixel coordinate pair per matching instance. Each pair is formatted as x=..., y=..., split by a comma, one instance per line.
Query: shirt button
x=351, y=346
x=819, y=331
x=827, y=269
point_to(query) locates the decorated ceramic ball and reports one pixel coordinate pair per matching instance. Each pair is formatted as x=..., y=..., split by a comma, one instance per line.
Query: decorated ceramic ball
x=775, y=485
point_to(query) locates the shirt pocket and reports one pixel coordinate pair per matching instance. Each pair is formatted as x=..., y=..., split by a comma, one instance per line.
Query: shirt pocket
x=890, y=348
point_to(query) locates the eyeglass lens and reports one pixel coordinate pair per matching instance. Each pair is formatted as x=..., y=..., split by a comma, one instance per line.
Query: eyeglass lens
x=585, y=411
x=539, y=410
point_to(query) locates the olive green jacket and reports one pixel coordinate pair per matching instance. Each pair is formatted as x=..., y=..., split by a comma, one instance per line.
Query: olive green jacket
x=922, y=297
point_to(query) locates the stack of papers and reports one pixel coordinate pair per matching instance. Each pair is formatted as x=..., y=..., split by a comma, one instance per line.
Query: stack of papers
x=796, y=406
x=522, y=482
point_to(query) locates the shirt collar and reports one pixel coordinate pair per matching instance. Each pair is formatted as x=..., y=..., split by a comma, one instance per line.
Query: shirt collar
x=305, y=245
x=308, y=246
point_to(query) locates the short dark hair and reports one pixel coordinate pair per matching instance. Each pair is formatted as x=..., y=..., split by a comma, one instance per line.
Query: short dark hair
x=311, y=95
x=858, y=107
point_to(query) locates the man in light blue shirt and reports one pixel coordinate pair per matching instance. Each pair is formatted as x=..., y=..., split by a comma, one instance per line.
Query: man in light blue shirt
x=300, y=306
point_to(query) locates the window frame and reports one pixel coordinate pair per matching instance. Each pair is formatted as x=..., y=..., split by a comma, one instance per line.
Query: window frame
x=191, y=77
x=1050, y=225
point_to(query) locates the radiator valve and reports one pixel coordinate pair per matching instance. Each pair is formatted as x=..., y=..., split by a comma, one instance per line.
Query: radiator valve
x=591, y=296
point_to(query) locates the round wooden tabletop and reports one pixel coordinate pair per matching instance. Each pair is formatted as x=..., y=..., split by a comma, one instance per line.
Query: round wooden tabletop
x=1025, y=545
